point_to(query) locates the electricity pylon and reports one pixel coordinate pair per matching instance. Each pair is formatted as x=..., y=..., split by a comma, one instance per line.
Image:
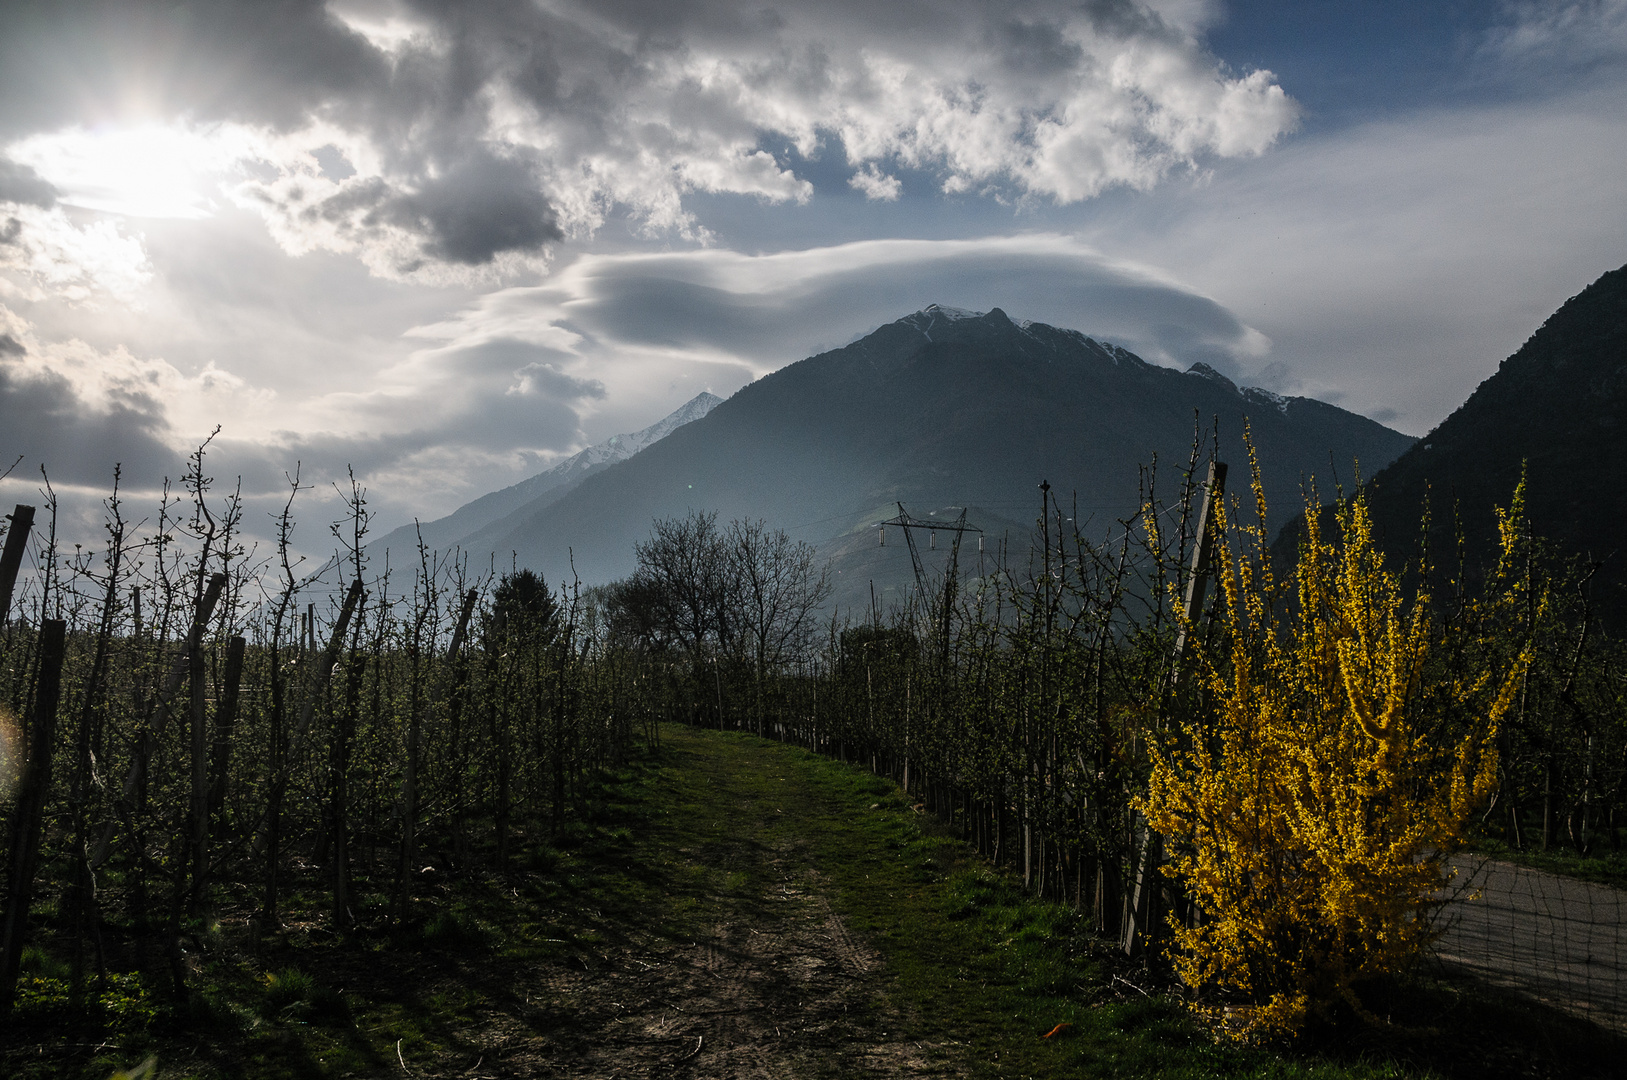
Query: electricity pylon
x=951, y=579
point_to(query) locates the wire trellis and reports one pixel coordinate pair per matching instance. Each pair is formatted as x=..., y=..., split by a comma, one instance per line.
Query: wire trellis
x=1559, y=940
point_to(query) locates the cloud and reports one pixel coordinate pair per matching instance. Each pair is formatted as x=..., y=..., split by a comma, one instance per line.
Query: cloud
x=1395, y=263
x=44, y=253
x=483, y=217
x=482, y=207
x=1570, y=35
x=875, y=184
x=473, y=136
x=724, y=317
x=79, y=429
x=19, y=183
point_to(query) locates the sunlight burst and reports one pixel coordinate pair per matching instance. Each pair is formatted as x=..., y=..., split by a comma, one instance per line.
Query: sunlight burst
x=149, y=171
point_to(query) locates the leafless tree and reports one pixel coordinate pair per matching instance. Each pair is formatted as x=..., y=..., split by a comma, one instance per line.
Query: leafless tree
x=775, y=585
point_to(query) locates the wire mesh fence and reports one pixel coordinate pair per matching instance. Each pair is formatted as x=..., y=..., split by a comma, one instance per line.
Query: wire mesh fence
x=1557, y=939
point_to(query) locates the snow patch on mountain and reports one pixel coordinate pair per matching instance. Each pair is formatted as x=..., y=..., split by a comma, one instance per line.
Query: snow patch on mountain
x=936, y=315
x=951, y=312
x=1266, y=397
x=1204, y=371
x=623, y=446
x=1248, y=393
x=471, y=517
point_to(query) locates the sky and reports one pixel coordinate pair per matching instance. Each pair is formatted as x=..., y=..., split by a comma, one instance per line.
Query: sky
x=440, y=245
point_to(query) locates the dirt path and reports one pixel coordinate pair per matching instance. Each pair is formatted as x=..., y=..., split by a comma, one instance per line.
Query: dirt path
x=1557, y=939
x=746, y=974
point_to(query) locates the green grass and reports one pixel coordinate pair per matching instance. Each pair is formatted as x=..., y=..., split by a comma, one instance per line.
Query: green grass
x=1604, y=867
x=981, y=971
x=519, y=970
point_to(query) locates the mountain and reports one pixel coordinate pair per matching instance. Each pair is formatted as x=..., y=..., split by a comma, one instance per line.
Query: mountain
x=1559, y=406
x=943, y=408
x=458, y=527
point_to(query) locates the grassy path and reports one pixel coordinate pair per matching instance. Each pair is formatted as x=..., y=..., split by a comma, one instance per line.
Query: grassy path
x=785, y=916
x=736, y=909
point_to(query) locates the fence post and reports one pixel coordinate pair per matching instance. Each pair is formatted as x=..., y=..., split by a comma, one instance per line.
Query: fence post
x=11, y=561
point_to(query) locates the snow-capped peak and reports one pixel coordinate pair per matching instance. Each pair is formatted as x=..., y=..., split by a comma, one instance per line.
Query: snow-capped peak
x=950, y=312
x=1204, y=371
x=621, y=447
x=933, y=314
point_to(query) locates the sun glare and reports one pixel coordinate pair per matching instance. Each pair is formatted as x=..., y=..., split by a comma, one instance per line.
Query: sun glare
x=142, y=172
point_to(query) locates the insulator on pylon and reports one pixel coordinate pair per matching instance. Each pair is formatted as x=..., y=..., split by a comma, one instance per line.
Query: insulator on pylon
x=932, y=539
x=883, y=531
x=980, y=545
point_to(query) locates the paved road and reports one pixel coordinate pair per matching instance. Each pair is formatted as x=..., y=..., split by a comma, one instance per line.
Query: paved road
x=1560, y=940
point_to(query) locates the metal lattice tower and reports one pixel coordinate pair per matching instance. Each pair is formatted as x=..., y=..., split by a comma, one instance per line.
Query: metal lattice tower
x=952, y=578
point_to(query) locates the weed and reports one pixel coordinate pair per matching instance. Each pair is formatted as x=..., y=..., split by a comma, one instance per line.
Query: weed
x=453, y=929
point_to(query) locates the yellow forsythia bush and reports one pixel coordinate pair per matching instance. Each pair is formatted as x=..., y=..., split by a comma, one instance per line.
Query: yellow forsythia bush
x=1311, y=798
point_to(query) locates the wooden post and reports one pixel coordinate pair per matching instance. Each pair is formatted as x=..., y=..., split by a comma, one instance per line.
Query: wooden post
x=319, y=676
x=1197, y=582
x=323, y=670
x=198, y=724
x=1141, y=920
x=11, y=561
x=28, y=817
x=225, y=721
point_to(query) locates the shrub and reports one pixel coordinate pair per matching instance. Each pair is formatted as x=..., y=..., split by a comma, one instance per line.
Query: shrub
x=1329, y=768
x=288, y=988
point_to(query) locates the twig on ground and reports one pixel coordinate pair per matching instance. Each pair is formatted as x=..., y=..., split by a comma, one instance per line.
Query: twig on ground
x=1131, y=985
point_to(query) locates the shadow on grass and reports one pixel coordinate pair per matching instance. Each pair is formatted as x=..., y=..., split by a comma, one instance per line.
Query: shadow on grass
x=972, y=972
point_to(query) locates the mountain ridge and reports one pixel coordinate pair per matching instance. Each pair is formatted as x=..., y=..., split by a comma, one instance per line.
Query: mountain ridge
x=942, y=407
x=468, y=520
x=1555, y=410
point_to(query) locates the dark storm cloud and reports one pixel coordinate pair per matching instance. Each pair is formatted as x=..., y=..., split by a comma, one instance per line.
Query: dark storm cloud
x=10, y=346
x=469, y=212
x=42, y=416
x=1038, y=48
x=482, y=206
